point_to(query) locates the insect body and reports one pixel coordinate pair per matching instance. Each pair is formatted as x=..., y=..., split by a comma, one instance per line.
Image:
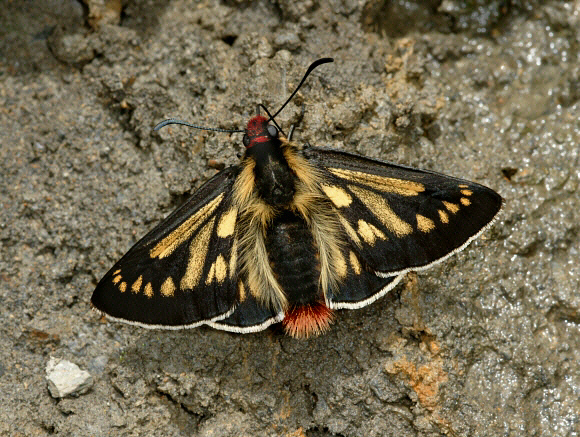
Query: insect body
x=289, y=235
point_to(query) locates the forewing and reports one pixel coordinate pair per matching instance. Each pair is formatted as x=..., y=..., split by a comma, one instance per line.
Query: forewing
x=399, y=218
x=184, y=272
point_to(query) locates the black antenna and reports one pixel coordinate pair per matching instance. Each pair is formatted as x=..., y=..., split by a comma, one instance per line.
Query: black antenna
x=214, y=129
x=271, y=118
x=312, y=67
x=185, y=123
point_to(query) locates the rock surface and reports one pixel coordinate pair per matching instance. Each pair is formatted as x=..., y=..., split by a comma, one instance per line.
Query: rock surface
x=484, y=344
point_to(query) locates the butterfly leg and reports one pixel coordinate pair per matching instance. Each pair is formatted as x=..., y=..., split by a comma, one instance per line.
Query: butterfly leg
x=302, y=111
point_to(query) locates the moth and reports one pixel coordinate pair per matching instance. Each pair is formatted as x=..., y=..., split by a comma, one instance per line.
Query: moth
x=291, y=234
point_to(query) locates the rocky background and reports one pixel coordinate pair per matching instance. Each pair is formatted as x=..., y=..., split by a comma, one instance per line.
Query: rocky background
x=485, y=344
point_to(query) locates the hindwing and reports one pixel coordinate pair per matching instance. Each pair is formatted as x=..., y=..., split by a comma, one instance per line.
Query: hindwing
x=184, y=272
x=250, y=315
x=357, y=285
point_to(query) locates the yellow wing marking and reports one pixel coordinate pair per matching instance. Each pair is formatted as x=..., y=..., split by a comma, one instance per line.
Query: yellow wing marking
x=381, y=209
x=123, y=287
x=369, y=233
x=197, y=254
x=349, y=230
x=465, y=201
x=210, y=275
x=337, y=195
x=117, y=278
x=443, y=216
x=116, y=272
x=168, y=287
x=136, y=287
x=167, y=245
x=380, y=183
x=148, y=290
x=463, y=186
x=466, y=192
x=241, y=292
x=233, y=258
x=341, y=267
x=355, y=264
x=221, y=269
x=425, y=224
x=227, y=223
x=451, y=207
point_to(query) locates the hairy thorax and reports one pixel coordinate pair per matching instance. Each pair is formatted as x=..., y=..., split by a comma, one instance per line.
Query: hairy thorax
x=287, y=228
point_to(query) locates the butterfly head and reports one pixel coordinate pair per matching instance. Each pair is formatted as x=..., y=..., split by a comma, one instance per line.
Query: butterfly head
x=259, y=131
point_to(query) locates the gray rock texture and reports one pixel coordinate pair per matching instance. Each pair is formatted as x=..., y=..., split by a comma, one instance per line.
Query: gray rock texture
x=484, y=344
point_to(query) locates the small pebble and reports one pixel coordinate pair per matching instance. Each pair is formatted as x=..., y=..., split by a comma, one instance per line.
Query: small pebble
x=65, y=378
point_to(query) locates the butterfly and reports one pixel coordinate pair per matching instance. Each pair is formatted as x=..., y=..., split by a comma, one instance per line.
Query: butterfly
x=291, y=234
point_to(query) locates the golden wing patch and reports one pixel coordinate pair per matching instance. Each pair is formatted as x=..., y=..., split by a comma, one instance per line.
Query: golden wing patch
x=185, y=271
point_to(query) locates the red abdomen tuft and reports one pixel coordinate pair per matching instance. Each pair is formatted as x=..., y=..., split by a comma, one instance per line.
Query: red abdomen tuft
x=307, y=320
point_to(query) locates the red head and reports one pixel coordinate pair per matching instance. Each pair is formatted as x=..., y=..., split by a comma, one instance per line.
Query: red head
x=259, y=131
